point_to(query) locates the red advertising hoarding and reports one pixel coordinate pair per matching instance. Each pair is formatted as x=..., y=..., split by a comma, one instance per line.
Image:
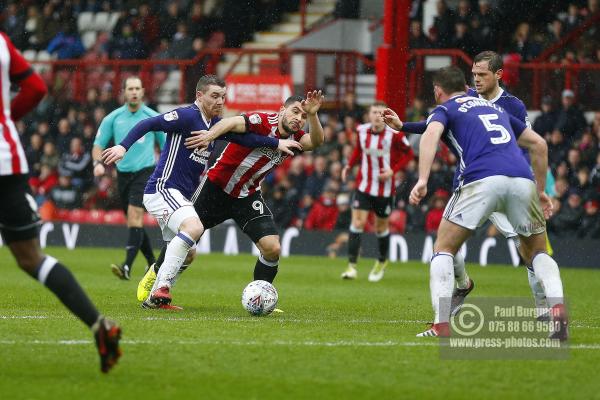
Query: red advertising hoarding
x=258, y=92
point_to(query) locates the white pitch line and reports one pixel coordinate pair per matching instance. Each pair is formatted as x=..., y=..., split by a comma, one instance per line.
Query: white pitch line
x=305, y=343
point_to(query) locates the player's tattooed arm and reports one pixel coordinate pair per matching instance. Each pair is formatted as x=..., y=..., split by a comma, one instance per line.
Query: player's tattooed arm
x=427, y=150
x=311, y=105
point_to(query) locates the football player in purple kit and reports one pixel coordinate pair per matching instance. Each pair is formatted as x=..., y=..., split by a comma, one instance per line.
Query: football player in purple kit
x=492, y=176
x=487, y=73
x=170, y=192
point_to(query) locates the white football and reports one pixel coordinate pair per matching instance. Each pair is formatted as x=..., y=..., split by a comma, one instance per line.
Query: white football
x=259, y=298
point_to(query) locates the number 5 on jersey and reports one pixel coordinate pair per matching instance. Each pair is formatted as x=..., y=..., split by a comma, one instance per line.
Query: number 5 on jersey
x=505, y=135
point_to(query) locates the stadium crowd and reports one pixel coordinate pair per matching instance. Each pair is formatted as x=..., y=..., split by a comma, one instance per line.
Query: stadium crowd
x=307, y=191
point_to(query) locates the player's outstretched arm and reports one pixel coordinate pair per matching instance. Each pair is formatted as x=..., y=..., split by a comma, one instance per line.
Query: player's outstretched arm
x=427, y=150
x=538, y=151
x=201, y=139
x=311, y=105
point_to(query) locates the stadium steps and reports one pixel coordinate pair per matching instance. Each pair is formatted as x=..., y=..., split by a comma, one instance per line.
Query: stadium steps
x=280, y=34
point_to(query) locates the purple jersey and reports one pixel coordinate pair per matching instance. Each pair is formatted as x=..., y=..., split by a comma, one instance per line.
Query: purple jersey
x=482, y=135
x=511, y=105
x=179, y=167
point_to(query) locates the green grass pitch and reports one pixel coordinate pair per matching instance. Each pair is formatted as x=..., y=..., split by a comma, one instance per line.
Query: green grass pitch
x=336, y=339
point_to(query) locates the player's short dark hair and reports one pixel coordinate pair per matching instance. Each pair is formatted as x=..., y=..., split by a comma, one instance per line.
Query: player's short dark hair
x=378, y=103
x=206, y=80
x=124, y=85
x=494, y=60
x=292, y=99
x=451, y=79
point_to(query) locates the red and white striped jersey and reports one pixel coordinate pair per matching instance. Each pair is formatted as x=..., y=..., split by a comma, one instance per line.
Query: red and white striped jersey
x=378, y=152
x=239, y=170
x=13, y=67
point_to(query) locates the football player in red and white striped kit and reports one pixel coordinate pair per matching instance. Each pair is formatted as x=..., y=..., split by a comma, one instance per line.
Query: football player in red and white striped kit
x=19, y=218
x=382, y=152
x=231, y=187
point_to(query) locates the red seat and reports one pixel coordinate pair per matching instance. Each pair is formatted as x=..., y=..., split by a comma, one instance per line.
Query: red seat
x=115, y=217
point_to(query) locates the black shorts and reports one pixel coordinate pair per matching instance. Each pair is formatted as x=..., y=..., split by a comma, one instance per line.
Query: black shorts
x=19, y=218
x=250, y=213
x=381, y=205
x=131, y=187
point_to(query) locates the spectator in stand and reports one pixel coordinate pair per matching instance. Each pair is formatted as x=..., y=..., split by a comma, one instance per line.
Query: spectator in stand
x=567, y=221
x=148, y=25
x=555, y=32
x=464, y=13
x=127, y=45
x=33, y=153
x=583, y=184
x=349, y=108
x=63, y=136
x=462, y=38
x=595, y=173
x=593, y=6
x=590, y=223
x=330, y=143
x=198, y=24
x=67, y=43
x=436, y=211
x=65, y=195
x=42, y=185
x=416, y=37
x=573, y=19
x=520, y=42
x=280, y=207
x=573, y=165
x=417, y=112
x=77, y=165
x=484, y=26
x=570, y=119
x=33, y=26
x=181, y=45
x=561, y=187
x=169, y=20
x=50, y=157
x=443, y=24
x=588, y=149
x=296, y=175
x=14, y=25
x=49, y=24
x=324, y=212
x=316, y=182
x=545, y=122
x=557, y=149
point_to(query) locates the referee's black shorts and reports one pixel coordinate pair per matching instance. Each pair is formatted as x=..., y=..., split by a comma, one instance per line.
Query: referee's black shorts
x=131, y=187
x=19, y=218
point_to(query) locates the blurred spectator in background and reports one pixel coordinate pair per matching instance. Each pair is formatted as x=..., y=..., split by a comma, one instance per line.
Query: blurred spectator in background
x=33, y=27
x=484, y=26
x=33, y=153
x=50, y=157
x=520, y=42
x=65, y=195
x=42, y=185
x=347, y=9
x=545, y=122
x=63, y=136
x=279, y=205
x=350, y=108
x=181, y=45
x=77, y=165
x=566, y=222
x=169, y=20
x=443, y=24
x=14, y=25
x=126, y=45
x=316, y=181
x=557, y=149
x=590, y=223
x=416, y=37
x=462, y=38
x=67, y=44
x=570, y=120
x=324, y=212
x=436, y=211
x=573, y=19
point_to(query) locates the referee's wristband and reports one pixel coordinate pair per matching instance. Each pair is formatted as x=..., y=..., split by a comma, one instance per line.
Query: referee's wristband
x=97, y=162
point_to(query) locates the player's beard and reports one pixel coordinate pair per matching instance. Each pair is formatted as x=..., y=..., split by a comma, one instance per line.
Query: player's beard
x=286, y=126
